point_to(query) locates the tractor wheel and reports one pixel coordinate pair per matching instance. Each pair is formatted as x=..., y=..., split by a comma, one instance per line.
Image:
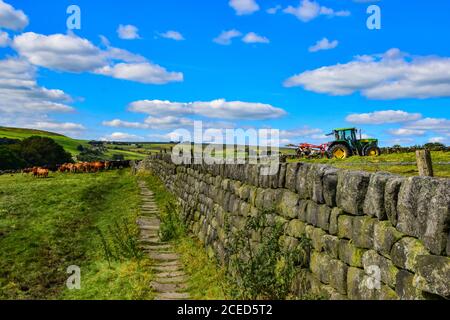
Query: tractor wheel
x=339, y=151
x=372, y=151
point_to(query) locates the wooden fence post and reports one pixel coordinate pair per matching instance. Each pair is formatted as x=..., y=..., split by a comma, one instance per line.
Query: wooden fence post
x=424, y=163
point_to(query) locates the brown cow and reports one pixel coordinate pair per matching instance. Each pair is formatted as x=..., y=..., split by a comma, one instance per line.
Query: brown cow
x=40, y=172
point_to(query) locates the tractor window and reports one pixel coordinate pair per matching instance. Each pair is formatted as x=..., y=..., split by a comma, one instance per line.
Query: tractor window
x=349, y=135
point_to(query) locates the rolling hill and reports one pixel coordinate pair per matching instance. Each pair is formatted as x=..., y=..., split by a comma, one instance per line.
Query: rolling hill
x=69, y=144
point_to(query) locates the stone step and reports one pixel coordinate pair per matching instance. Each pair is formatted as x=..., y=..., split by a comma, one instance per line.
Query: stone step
x=164, y=256
x=155, y=249
x=151, y=221
x=168, y=287
x=152, y=241
x=149, y=202
x=150, y=234
x=174, y=268
x=172, y=296
x=147, y=220
x=171, y=274
x=159, y=247
x=174, y=280
x=150, y=227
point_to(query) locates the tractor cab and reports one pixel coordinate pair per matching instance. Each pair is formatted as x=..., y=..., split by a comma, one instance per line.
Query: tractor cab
x=346, y=144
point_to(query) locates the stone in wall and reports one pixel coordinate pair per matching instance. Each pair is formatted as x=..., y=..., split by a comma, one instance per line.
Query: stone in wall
x=405, y=288
x=295, y=228
x=374, y=203
x=384, y=237
x=372, y=261
x=391, y=192
x=424, y=211
x=331, y=245
x=335, y=213
x=323, y=219
x=329, y=185
x=351, y=191
x=361, y=286
x=363, y=231
x=288, y=204
x=303, y=184
x=406, y=251
x=291, y=176
x=345, y=226
x=433, y=275
x=350, y=254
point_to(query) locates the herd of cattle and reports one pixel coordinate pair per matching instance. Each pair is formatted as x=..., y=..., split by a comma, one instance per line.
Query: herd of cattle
x=80, y=167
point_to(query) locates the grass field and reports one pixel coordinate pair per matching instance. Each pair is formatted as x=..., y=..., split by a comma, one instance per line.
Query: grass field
x=391, y=163
x=47, y=225
x=67, y=143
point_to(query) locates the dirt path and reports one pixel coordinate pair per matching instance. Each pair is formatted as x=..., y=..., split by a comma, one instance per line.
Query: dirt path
x=170, y=279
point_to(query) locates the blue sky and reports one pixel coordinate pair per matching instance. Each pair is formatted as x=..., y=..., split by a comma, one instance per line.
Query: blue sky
x=303, y=67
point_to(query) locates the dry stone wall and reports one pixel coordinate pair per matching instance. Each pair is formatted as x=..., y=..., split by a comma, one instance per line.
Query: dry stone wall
x=363, y=227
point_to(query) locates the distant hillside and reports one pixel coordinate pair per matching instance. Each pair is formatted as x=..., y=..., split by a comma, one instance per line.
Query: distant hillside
x=67, y=143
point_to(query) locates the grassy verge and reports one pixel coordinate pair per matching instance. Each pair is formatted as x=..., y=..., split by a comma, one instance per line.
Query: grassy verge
x=47, y=225
x=207, y=280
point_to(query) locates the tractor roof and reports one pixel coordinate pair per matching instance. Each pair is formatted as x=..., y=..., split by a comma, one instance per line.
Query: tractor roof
x=343, y=129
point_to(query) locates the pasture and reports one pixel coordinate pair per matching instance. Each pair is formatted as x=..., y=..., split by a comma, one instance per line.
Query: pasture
x=47, y=225
x=401, y=163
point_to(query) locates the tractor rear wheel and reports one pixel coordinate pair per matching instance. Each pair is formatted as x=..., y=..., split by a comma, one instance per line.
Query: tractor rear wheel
x=372, y=151
x=339, y=151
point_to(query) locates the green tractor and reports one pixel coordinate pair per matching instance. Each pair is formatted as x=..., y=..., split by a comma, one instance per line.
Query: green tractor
x=347, y=144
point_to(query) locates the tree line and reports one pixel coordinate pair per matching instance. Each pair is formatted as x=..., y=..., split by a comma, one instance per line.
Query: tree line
x=31, y=152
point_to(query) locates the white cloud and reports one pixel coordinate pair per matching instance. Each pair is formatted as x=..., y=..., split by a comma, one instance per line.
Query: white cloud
x=392, y=75
x=25, y=104
x=73, y=54
x=437, y=124
x=4, y=39
x=168, y=122
x=59, y=52
x=117, y=123
x=58, y=126
x=274, y=10
x=20, y=93
x=406, y=132
x=121, y=136
x=324, y=44
x=128, y=32
x=437, y=140
x=146, y=72
x=252, y=37
x=174, y=35
x=220, y=108
x=383, y=117
x=11, y=18
x=244, y=7
x=308, y=10
x=226, y=37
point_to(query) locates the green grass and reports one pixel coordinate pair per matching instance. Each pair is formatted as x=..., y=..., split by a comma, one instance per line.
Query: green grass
x=207, y=279
x=47, y=225
x=390, y=163
x=67, y=143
